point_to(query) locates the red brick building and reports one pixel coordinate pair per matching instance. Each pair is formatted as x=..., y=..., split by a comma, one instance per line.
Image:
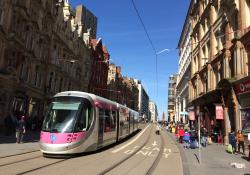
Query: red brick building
x=99, y=68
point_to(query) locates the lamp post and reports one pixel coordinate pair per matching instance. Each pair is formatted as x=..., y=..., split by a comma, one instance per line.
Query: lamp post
x=199, y=135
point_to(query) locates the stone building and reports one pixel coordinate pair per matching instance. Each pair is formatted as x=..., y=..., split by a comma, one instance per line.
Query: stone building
x=172, y=98
x=42, y=52
x=184, y=72
x=220, y=57
x=122, y=89
x=153, y=111
x=143, y=101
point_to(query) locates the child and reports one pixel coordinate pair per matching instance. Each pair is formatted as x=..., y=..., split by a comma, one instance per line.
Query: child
x=186, y=139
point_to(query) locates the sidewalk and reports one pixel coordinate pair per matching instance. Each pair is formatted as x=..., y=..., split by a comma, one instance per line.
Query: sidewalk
x=9, y=147
x=213, y=160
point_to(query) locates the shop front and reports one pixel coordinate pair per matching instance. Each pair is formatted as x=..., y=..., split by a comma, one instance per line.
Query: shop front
x=242, y=90
x=204, y=107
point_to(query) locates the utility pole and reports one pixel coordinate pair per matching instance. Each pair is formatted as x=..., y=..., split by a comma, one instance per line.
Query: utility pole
x=199, y=135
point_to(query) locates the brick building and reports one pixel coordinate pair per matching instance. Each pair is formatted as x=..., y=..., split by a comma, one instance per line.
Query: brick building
x=99, y=66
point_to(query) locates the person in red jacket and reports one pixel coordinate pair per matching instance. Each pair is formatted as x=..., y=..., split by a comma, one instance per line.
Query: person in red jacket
x=181, y=134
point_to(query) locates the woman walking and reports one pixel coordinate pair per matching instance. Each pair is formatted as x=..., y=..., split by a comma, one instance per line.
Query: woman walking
x=240, y=141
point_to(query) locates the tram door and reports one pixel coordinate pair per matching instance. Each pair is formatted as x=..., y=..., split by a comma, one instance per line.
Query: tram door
x=100, y=127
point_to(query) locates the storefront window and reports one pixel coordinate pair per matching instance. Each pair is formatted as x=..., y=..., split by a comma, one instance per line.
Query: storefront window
x=245, y=114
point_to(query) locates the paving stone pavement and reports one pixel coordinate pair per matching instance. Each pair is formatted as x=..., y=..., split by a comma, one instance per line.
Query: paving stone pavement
x=9, y=147
x=213, y=160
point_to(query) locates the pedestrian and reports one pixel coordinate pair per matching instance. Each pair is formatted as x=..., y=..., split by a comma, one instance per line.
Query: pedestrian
x=204, y=135
x=8, y=123
x=20, y=130
x=186, y=139
x=240, y=141
x=232, y=140
x=181, y=134
x=219, y=138
x=157, y=129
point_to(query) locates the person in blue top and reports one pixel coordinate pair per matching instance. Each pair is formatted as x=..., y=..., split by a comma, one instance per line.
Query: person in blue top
x=232, y=140
x=186, y=139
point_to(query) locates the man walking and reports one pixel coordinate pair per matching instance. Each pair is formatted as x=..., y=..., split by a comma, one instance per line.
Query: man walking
x=20, y=130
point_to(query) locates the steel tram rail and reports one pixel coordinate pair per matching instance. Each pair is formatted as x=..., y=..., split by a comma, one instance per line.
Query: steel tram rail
x=19, y=154
x=126, y=158
x=158, y=158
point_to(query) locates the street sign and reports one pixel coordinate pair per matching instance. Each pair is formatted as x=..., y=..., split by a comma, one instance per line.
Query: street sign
x=219, y=112
x=191, y=115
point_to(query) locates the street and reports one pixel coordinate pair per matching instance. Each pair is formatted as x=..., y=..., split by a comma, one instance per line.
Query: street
x=144, y=153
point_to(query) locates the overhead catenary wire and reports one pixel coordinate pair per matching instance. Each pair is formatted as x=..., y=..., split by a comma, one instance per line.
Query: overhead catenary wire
x=151, y=43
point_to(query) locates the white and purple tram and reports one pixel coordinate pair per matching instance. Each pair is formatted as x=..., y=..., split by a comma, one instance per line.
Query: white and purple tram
x=79, y=122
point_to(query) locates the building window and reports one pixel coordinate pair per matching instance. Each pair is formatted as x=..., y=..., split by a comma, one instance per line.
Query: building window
x=50, y=81
x=1, y=16
x=37, y=76
x=60, y=84
x=21, y=72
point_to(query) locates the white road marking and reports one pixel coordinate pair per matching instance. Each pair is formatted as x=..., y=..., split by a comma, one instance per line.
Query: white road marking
x=155, y=148
x=147, y=148
x=143, y=153
x=166, y=149
x=129, y=151
x=154, y=144
x=166, y=155
x=124, y=146
x=149, y=154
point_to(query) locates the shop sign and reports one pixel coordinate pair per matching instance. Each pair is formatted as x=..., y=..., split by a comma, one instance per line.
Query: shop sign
x=219, y=112
x=242, y=88
x=191, y=115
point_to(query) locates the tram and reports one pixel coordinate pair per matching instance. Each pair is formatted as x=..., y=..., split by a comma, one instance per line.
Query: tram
x=78, y=122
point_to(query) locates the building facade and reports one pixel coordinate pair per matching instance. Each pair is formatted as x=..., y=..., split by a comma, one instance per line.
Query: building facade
x=172, y=98
x=153, y=111
x=86, y=20
x=99, y=68
x=184, y=72
x=220, y=56
x=122, y=89
x=42, y=52
x=143, y=101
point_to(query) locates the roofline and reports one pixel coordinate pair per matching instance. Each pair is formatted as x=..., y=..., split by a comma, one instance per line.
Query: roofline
x=185, y=23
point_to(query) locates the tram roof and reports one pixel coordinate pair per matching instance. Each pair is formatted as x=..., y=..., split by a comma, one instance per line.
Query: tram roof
x=93, y=96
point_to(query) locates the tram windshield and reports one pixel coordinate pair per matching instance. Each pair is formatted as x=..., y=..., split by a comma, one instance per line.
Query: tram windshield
x=64, y=113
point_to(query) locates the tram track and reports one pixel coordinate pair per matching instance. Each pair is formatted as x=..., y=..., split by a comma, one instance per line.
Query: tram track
x=158, y=158
x=126, y=158
x=152, y=167
x=10, y=163
x=19, y=154
x=41, y=167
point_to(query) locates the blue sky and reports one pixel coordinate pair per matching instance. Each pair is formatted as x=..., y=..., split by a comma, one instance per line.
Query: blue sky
x=122, y=33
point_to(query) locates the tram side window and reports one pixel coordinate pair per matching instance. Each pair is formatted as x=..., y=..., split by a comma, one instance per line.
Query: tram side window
x=107, y=124
x=85, y=118
x=113, y=120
